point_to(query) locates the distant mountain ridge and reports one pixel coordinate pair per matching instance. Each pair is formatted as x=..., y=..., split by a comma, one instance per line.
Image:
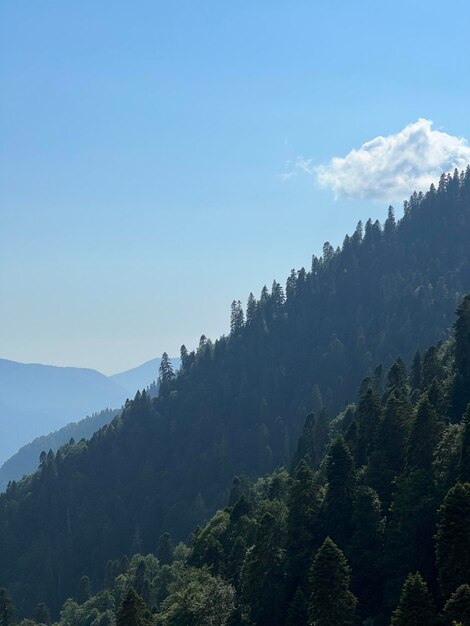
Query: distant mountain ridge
x=39, y=399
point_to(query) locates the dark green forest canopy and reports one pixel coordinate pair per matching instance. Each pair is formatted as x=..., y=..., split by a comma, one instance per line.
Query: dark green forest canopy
x=238, y=406
x=322, y=544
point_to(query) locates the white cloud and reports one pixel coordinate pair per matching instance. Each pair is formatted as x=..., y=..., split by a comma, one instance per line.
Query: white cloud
x=393, y=167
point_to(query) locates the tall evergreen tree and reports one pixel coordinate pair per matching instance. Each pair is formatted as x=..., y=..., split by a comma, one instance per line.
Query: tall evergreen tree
x=84, y=590
x=425, y=430
x=165, y=549
x=457, y=607
x=365, y=551
x=464, y=465
x=298, y=610
x=42, y=614
x=338, y=504
x=453, y=539
x=387, y=460
x=367, y=418
x=165, y=372
x=331, y=602
x=303, y=526
x=461, y=387
x=415, y=607
x=133, y=611
x=262, y=575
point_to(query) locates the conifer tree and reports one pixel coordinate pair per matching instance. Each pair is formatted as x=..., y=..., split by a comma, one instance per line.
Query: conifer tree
x=165, y=370
x=331, y=603
x=42, y=614
x=464, y=465
x=365, y=551
x=165, y=549
x=415, y=607
x=387, y=460
x=367, y=418
x=339, y=496
x=416, y=371
x=457, y=607
x=453, y=539
x=461, y=386
x=262, y=575
x=298, y=610
x=84, y=590
x=133, y=611
x=424, y=435
x=302, y=525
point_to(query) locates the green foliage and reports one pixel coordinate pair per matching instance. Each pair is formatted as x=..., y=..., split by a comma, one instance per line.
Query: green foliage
x=415, y=607
x=198, y=599
x=453, y=539
x=331, y=601
x=42, y=614
x=84, y=590
x=460, y=397
x=133, y=611
x=339, y=496
x=236, y=409
x=303, y=525
x=457, y=607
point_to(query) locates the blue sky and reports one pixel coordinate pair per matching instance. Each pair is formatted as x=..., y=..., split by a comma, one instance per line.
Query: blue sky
x=144, y=146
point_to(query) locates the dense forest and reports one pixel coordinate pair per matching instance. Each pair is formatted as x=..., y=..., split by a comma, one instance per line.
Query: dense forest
x=366, y=488
x=374, y=531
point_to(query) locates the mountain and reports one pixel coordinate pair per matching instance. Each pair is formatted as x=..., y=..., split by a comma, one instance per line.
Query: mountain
x=35, y=398
x=238, y=405
x=374, y=529
x=26, y=460
x=123, y=385
x=140, y=377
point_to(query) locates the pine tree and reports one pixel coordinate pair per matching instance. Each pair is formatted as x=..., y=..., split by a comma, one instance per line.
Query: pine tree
x=457, y=608
x=387, y=460
x=84, y=590
x=365, y=551
x=453, y=539
x=464, y=465
x=262, y=575
x=331, y=603
x=298, y=610
x=165, y=549
x=313, y=440
x=165, y=371
x=42, y=614
x=424, y=436
x=302, y=525
x=133, y=611
x=416, y=371
x=460, y=396
x=339, y=496
x=415, y=607
x=367, y=418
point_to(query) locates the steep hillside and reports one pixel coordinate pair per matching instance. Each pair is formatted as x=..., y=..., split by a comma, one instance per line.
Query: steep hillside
x=26, y=460
x=372, y=525
x=39, y=398
x=140, y=377
x=239, y=403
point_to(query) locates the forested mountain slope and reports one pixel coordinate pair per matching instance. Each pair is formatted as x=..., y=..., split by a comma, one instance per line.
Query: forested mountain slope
x=26, y=460
x=374, y=530
x=239, y=403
